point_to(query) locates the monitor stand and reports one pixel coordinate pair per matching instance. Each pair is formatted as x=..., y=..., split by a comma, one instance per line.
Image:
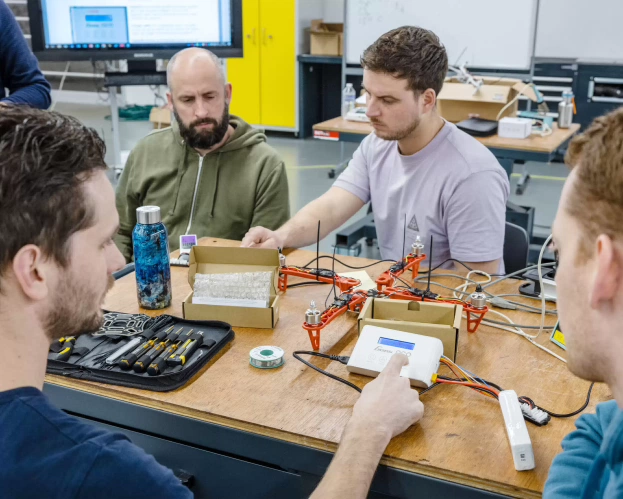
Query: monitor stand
x=139, y=73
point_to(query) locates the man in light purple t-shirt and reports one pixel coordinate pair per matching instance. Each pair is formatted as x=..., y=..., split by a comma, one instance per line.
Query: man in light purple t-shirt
x=415, y=166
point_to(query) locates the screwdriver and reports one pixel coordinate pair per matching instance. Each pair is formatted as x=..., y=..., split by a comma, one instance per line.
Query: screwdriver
x=141, y=364
x=159, y=364
x=187, y=349
x=127, y=362
x=69, y=342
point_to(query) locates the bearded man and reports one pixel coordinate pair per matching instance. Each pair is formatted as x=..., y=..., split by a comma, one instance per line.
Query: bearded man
x=211, y=173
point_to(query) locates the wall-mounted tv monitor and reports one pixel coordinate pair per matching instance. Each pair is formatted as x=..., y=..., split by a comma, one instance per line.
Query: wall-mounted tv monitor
x=74, y=30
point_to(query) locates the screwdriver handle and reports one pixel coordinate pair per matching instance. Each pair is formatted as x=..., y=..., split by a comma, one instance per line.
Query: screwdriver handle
x=173, y=360
x=127, y=362
x=141, y=364
x=183, y=356
x=159, y=364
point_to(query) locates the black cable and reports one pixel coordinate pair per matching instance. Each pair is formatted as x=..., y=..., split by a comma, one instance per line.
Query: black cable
x=402, y=281
x=571, y=414
x=333, y=271
x=346, y=265
x=310, y=283
x=327, y=298
x=459, y=262
x=529, y=400
x=340, y=359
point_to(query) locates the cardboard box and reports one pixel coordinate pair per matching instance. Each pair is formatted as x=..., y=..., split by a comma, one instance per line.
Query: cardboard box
x=160, y=117
x=219, y=260
x=459, y=101
x=326, y=38
x=439, y=320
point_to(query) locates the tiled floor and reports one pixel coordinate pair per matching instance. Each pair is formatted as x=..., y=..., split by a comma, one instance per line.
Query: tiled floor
x=309, y=161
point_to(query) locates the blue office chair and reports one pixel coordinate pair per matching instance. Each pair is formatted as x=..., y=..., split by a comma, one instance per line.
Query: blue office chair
x=516, y=247
x=124, y=271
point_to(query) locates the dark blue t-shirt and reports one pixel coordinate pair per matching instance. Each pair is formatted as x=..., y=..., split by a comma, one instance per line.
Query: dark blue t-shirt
x=47, y=453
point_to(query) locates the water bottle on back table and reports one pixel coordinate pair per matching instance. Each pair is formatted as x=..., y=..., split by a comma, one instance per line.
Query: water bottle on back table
x=348, y=99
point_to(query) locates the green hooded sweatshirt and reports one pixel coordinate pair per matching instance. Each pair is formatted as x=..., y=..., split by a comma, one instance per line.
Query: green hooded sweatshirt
x=241, y=185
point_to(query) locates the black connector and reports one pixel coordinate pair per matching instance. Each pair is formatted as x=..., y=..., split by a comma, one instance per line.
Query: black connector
x=397, y=266
x=343, y=300
x=342, y=359
x=329, y=274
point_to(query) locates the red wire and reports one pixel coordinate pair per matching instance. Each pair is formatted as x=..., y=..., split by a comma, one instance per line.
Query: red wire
x=470, y=385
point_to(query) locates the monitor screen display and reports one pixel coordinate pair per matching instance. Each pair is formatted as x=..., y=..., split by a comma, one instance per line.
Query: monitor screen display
x=133, y=25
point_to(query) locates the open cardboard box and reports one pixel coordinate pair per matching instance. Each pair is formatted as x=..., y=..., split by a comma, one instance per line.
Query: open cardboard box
x=326, y=38
x=439, y=320
x=160, y=117
x=219, y=260
x=458, y=101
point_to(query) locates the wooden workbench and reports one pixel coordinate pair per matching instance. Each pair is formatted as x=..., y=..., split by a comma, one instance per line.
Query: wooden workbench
x=461, y=438
x=507, y=151
x=548, y=144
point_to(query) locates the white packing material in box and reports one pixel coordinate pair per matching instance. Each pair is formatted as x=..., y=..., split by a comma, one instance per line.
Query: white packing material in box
x=245, y=289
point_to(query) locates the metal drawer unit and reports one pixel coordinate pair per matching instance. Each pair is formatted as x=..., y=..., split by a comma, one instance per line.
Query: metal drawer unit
x=552, y=79
x=600, y=90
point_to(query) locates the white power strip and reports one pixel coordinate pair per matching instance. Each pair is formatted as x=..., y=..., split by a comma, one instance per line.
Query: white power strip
x=518, y=437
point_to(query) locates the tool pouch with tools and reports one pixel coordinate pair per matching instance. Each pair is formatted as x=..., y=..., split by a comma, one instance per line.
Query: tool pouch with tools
x=153, y=353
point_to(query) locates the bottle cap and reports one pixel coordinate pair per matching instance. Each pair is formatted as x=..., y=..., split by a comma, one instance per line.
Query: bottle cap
x=148, y=215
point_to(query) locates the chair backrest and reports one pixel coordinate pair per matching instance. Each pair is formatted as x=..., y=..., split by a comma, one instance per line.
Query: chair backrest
x=516, y=248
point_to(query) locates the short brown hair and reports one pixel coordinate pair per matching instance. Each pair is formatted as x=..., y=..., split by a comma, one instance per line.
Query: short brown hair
x=596, y=199
x=44, y=159
x=412, y=53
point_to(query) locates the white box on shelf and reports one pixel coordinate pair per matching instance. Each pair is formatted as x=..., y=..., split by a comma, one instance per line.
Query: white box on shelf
x=515, y=128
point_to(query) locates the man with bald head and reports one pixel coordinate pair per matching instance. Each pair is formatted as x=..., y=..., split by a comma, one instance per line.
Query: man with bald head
x=211, y=173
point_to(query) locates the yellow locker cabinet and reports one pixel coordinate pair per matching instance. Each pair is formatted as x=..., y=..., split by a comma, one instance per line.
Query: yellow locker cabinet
x=264, y=81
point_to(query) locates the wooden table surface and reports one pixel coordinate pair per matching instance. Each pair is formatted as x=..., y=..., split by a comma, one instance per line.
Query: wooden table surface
x=461, y=437
x=547, y=144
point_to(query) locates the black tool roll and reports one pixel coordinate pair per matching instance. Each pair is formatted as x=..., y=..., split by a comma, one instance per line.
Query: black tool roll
x=154, y=353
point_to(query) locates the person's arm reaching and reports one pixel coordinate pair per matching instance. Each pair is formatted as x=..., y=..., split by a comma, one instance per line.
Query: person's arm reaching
x=386, y=408
x=349, y=193
x=19, y=71
x=332, y=209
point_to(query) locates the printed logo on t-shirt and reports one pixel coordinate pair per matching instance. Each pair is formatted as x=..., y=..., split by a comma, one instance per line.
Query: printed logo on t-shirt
x=413, y=224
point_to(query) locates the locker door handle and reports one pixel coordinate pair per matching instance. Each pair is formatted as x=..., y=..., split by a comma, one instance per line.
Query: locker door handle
x=252, y=36
x=264, y=36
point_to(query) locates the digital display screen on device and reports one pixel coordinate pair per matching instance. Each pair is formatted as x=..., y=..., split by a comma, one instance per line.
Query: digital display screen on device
x=396, y=343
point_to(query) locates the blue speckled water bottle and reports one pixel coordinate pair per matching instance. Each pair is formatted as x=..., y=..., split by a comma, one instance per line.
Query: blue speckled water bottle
x=151, y=258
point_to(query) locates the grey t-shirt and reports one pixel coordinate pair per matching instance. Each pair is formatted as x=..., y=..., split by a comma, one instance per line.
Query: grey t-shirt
x=454, y=189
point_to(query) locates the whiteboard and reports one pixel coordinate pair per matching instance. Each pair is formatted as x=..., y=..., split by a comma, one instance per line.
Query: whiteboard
x=578, y=29
x=494, y=33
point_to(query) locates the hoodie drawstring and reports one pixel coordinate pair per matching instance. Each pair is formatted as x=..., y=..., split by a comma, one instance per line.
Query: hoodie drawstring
x=178, y=180
x=215, y=185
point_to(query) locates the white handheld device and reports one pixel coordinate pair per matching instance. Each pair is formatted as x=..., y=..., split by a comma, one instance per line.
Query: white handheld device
x=518, y=437
x=376, y=345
